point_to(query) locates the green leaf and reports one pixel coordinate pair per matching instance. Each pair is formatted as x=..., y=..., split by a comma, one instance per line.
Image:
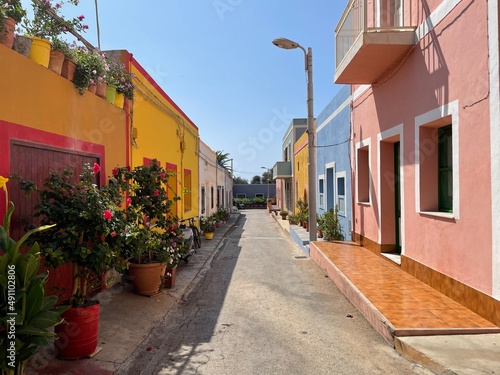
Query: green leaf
x=34, y=298
x=28, y=330
x=7, y=217
x=45, y=319
x=29, y=233
x=49, y=302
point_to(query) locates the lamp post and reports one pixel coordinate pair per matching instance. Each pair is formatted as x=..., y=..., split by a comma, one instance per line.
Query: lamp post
x=268, y=173
x=311, y=178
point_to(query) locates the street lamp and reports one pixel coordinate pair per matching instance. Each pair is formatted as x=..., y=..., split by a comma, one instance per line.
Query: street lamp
x=311, y=178
x=268, y=173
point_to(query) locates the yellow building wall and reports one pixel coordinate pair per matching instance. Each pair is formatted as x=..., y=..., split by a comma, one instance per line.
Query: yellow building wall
x=162, y=131
x=300, y=170
x=33, y=97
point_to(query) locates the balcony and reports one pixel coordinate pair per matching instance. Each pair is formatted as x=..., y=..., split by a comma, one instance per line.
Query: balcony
x=372, y=37
x=282, y=169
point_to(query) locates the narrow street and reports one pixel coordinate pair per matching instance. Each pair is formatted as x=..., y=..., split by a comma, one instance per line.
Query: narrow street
x=263, y=308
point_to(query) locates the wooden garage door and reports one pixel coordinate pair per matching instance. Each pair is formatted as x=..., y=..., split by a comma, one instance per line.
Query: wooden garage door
x=34, y=162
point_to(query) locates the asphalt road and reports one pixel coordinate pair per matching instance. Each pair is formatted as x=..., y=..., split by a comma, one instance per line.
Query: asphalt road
x=262, y=308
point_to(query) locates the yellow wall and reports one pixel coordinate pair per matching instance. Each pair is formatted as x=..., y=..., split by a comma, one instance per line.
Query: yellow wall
x=300, y=172
x=36, y=98
x=164, y=133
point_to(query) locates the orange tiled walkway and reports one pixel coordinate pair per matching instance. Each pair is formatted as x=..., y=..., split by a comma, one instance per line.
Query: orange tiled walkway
x=396, y=303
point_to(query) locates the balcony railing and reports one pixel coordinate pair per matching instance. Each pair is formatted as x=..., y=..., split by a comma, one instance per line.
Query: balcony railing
x=377, y=18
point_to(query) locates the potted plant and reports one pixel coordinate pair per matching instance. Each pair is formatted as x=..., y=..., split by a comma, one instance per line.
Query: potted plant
x=293, y=219
x=47, y=23
x=57, y=54
x=332, y=229
x=152, y=235
x=283, y=214
x=11, y=13
x=207, y=225
x=124, y=85
x=302, y=211
x=27, y=315
x=84, y=218
x=90, y=70
x=321, y=223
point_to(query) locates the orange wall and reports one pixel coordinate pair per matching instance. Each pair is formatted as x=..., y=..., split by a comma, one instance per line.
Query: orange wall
x=300, y=170
x=33, y=97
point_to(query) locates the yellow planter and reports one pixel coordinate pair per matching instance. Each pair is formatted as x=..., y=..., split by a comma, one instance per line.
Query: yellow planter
x=111, y=94
x=209, y=235
x=40, y=51
x=119, y=100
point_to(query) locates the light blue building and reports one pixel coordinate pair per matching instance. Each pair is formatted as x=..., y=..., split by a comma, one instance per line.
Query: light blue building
x=333, y=131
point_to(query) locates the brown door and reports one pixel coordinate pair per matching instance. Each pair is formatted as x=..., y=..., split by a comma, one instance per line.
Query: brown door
x=33, y=162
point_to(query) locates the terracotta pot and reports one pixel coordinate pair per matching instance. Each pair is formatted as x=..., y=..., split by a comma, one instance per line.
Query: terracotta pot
x=7, y=35
x=77, y=338
x=101, y=89
x=170, y=277
x=22, y=45
x=56, y=61
x=92, y=89
x=146, y=278
x=68, y=69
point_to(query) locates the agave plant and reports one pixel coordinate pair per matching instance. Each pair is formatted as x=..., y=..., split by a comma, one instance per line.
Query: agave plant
x=26, y=315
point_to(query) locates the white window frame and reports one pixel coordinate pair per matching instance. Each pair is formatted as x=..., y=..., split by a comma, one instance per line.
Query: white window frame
x=450, y=109
x=362, y=144
x=343, y=175
x=321, y=195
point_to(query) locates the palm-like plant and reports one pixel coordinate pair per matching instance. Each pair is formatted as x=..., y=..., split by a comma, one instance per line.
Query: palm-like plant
x=26, y=314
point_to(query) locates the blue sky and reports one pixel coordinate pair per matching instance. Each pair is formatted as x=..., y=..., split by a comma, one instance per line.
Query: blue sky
x=215, y=59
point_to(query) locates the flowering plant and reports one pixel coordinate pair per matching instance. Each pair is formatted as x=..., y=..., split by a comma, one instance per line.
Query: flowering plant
x=85, y=220
x=47, y=22
x=91, y=68
x=12, y=9
x=23, y=307
x=154, y=233
x=121, y=79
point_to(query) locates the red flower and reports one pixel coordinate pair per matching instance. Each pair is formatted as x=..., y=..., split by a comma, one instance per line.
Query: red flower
x=114, y=171
x=128, y=201
x=113, y=234
x=96, y=168
x=107, y=214
x=157, y=193
x=162, y=175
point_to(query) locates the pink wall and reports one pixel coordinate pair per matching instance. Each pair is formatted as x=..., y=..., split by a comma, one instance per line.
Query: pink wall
x=449, y=64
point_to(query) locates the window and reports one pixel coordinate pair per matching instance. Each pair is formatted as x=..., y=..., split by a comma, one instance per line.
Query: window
x=363, y=171
x=437, y=162
x=259, y=195
x=341, y=193
x=241, y=195
x=203, y=200
x=212, y=197
x=445, y=169
x=188, y=195
x=321, y=189
x=172, y=185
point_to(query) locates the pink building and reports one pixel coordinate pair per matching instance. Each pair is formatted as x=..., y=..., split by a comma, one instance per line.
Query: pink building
x=426, y=140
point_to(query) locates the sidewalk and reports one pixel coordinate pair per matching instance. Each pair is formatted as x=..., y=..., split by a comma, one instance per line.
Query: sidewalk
x=126, y=319
x=422, y=324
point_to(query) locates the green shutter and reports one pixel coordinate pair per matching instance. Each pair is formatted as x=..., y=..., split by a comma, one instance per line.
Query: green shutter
x=445, y=169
